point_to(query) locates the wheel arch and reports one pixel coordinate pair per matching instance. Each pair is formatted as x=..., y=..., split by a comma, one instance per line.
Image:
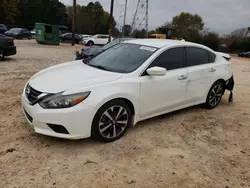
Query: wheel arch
x=90, y=41
x=125, y=99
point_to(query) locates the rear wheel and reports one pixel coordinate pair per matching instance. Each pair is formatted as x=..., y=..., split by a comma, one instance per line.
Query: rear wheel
x=1, y=55
x=214, y=95
x=111, y=121
x=90, y=43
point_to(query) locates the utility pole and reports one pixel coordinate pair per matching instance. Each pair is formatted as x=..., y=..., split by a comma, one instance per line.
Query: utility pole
x=125, y=14
x=74, y=23
x=110, y=19
x=147, y=18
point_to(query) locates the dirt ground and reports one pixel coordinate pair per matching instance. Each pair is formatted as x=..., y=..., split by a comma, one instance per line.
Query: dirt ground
x=189, y=148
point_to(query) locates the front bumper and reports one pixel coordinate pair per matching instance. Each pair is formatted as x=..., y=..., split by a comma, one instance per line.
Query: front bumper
x=76, y=120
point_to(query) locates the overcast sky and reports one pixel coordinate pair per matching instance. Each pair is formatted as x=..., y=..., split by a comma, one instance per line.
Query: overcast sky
x=221, y=16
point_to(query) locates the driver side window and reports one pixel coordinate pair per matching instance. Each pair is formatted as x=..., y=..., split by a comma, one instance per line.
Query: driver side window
x=170, y=59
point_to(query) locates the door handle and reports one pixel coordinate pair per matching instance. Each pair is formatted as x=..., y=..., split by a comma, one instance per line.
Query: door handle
x=212, y=70
x=182, y=77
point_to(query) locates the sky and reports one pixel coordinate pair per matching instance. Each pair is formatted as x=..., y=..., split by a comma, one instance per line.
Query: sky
x=221, y=16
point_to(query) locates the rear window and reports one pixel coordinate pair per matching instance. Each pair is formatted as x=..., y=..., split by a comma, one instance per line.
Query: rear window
x=3, y=26
x=15, y=30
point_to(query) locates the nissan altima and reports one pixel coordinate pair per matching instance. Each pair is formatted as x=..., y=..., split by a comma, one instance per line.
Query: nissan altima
x=131, y=81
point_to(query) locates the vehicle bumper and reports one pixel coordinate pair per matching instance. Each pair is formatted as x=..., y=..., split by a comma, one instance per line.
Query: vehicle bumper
x=76, y=120
x=10, y=51
x=230, y=84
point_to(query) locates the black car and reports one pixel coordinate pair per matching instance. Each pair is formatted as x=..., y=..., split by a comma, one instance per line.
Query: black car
x=244, y=54
x=90, y=52
x=67, y=37
x=18, y=33
x=3, y=28
x=7, y=47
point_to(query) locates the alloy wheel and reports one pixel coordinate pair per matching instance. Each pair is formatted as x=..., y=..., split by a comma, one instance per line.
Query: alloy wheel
x=113, y=122
x=215, y=94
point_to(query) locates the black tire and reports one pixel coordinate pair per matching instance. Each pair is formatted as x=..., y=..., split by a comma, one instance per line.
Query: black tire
x=90, y=43
x=1, y=55
x=214, y=95
x=110, y=127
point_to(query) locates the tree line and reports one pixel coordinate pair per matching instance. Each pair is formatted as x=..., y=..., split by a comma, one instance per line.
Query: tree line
x=93, y=19
x=192, y=28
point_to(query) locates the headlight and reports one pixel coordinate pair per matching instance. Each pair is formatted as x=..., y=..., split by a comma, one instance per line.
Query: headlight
x=63, y=101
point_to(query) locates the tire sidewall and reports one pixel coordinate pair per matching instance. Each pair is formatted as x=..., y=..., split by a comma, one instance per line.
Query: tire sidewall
x=95, y=124
x=90, y=43
x=207, y=104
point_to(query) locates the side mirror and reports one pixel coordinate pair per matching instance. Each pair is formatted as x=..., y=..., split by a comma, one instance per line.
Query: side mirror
x=157, y=71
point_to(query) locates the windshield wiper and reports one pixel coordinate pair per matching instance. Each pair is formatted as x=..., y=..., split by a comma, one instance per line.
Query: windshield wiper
x=86, y=61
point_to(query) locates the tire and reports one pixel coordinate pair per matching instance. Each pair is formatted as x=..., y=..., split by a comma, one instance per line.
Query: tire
x=1, y=55
x=214, y=95
x=90, y=43
x=111, y=121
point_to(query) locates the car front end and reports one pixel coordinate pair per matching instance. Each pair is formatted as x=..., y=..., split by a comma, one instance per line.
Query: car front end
x=57, y=115
x=58, y=101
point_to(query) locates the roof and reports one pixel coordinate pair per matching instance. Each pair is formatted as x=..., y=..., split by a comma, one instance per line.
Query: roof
x=159, y=43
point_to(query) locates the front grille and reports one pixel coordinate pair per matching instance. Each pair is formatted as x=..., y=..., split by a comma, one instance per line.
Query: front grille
x=32, y=94
x=28, y=116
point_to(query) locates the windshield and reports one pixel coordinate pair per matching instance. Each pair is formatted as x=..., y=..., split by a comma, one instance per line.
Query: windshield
x=111, y=44
x=122, y=58
x=16, y=30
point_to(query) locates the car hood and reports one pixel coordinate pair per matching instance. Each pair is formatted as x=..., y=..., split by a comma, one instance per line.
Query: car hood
x=71, y=75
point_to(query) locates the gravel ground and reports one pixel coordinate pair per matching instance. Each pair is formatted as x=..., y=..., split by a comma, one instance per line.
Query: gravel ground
x=189, y=148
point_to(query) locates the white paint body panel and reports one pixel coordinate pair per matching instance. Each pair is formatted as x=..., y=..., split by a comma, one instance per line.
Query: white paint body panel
x=150, y=95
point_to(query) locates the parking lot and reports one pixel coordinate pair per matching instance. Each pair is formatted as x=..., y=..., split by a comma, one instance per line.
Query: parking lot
x=193, y=147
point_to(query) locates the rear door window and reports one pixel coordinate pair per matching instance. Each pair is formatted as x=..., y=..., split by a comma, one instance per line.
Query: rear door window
x=196, y=56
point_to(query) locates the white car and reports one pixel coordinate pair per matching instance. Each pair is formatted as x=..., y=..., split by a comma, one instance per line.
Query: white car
x=132, y=81
x=86, y=36
x=96, y=40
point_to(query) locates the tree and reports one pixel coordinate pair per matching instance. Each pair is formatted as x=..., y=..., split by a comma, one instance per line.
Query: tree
x=91, y=19
x=212, y=41
x=187, y=25
x=9, y=11
x=139, y=33
x=45, y=11
x=239, y=33
x=127, y=29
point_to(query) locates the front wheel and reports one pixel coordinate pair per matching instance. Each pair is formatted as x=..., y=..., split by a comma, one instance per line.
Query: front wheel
x=90, y=43
x=111, y=121
x=214, y=95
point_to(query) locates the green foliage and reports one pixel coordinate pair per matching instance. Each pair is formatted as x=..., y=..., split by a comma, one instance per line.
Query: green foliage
x=187, y=25
x=128, y=30
x=9, y=11
x=91, y=19
x=139, y=33
x=212, y=40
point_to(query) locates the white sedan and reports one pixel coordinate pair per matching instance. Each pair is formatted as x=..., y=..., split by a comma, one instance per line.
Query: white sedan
x=130, y=82
x=96, y=40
